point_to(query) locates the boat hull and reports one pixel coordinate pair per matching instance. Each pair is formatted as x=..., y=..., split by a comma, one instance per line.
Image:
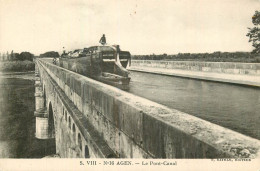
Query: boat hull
x=107, y=72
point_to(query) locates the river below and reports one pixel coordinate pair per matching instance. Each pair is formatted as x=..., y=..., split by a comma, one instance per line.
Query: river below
x=17, y=121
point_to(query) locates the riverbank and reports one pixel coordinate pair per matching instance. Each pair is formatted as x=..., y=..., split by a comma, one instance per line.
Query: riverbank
x=227, y=78
x=243, y=74
x=21, y=75
x=17, y=66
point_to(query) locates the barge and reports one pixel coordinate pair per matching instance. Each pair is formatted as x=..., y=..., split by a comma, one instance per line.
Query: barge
x=104, y=63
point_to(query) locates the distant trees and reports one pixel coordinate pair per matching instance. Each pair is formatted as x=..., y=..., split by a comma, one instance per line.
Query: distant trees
x=50, y=54
x=213, y=57
x=254, y=33
x=25, y=56
x=6, y=56
x=16, y=56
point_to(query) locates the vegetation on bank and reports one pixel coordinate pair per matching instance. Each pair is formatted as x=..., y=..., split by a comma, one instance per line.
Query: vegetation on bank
x=245, y=57
x=49, y=54
x=17, y=66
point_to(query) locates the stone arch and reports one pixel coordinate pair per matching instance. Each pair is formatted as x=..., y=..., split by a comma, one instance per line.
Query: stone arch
x=65, y=115
x=69, y=123
x=74, y=131
x=86, y=152
x=44, y=97
x=51, y=128
x=80, y=141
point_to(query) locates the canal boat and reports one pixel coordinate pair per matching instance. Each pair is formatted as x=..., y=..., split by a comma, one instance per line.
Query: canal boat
x=104, y=63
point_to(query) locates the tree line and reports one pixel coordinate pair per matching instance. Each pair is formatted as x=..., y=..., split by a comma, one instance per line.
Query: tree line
x=25, y=56
x=16, y=56
x=216, y=56
x=49, y=54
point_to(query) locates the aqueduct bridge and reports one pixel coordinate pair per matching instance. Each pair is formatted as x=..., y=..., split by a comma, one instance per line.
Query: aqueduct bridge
x=91, y=119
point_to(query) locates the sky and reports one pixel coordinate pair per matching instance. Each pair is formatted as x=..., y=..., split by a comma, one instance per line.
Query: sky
x=138, y=26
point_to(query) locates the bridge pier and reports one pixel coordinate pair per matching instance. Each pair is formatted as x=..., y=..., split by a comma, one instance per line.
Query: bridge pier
x=41, y=114
x=42, y=126
x=39, y=95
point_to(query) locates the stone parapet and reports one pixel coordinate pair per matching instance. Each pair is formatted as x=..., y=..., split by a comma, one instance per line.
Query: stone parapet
x=233, y=76
x=215, y=67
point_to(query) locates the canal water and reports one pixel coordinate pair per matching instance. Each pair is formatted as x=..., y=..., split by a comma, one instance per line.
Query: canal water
x=231, y=106
x=17, y=121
